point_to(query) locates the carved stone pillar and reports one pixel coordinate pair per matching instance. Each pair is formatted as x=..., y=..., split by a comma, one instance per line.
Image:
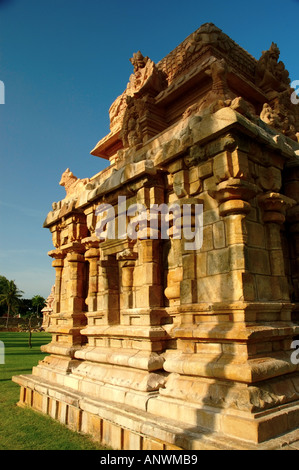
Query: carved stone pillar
x=121, y=360
x=148, y=289
x=66, y=324
x=191, y=222
x=210, y=347
x=92, y=256
x=291, y=183
x=174, y=275
x=274, y=207
x=233, y=196
x=127, y=261
x=76, y=287
x=68, y=316
x=58, y=263
x=109, y=289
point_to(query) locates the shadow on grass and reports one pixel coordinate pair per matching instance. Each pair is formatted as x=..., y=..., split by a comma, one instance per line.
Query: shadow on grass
x=30, y=352
x=12, y=371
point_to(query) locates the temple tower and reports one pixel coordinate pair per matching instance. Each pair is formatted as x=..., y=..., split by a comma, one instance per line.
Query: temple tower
x=176, y=297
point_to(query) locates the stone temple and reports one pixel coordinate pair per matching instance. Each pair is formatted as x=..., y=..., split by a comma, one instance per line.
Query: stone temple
x=159, y=342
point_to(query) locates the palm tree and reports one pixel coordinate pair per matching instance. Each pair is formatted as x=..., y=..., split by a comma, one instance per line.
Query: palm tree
x=10, y=296
x=39, y=302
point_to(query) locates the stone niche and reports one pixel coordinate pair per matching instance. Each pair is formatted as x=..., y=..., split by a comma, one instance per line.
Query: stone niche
x=156, y=345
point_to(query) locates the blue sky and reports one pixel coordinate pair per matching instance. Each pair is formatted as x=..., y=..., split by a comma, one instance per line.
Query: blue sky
x=63, y=63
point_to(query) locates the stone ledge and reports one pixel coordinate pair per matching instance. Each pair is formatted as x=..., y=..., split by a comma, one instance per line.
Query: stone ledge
x=145, y=360
x=225, y=366
x=80, y=413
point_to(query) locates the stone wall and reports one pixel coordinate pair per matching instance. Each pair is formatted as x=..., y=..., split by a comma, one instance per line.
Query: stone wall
x=19, y=323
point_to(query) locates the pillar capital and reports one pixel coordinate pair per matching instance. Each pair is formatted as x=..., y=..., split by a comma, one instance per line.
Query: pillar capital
x=57, y=254
x=75, y=257
x=275, y=206
x=233, y=195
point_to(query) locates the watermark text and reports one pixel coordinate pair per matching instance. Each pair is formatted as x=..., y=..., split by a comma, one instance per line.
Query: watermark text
x=2, y=353
x=294, y=95
x=2, y=92
x=163, y=221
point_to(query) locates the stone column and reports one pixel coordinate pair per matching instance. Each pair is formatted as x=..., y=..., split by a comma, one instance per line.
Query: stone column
x=76, y=292
x=148, y=275
x=58, y=264
x=274, y=207
x=188, y=285
x=75, y=287
x=209, y=304
x=233, y=196
x=291, y=184
x=109, y=289
x=92, y=256
x=65, y=323
x=126, y=266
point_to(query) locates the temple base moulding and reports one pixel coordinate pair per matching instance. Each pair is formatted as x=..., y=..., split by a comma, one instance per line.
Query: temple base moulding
x=123, y=427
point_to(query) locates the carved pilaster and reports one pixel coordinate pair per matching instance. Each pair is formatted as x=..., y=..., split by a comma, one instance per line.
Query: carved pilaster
x=109, y=273
x=274, y=207
x=77, y=279
x=233, y=196
x=92, y=256
x=291, y=183
x=127, y=261
x=68, y=316
x=58, y=264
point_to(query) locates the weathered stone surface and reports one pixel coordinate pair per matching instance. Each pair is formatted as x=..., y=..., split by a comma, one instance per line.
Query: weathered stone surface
x=152, y=333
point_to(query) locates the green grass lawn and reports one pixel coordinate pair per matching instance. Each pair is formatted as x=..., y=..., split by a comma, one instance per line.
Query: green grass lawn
x=23, y=428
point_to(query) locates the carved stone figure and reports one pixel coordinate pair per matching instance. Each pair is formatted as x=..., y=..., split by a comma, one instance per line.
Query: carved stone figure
x=280, y=118
x=138, y=61
x=269, y=116
x=131, y=133
x=271, y=74
x=145, y=79
x=71, y=183
x=219, y=70
x=207, y=34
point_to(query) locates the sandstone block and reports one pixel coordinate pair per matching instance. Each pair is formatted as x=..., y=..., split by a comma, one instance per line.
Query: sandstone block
x=258, y=261
x=219, y=235
x=256, y=234
x=218, y=261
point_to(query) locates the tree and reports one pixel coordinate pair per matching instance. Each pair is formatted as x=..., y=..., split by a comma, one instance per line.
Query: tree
x=3, y=282
x=26, y=308
x=38, y=302
x=10, y=296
